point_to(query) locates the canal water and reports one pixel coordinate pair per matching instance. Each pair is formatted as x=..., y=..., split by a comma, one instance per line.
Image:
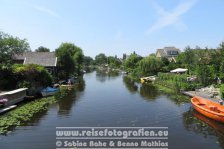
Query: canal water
x=103, y=100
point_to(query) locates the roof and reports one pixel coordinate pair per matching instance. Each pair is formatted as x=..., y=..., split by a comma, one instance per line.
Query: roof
x=165, y=51
x=179, y=70
x=162, y=52
x=40, y=58
x=171, y=49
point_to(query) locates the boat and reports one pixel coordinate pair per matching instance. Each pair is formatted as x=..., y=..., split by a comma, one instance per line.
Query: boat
x=69, y=87
x=49, y=91
x=208, y=108
x=3, y=101
x=147, y=79
x=14, y=96
x=7, y=109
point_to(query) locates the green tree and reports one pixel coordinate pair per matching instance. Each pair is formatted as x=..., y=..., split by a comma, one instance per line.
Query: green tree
x=205, y=74
x=114, y=62
x=78, y=56
x=87, y=61
x=9, y=46
x=187, y=58
x=42, y=49
x=149, y=65
x=101, y=59
x=131, y=62
x=70, y=59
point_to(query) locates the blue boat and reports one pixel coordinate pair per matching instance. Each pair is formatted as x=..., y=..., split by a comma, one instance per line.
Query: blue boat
x=49, y=91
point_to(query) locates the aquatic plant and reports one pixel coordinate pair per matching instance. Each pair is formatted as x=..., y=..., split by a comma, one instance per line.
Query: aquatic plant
x=23, y=114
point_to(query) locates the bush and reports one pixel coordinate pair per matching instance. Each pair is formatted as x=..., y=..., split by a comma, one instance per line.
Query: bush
x=31, y=76
x=222, y=91
x=177, y=81
x=7, y=81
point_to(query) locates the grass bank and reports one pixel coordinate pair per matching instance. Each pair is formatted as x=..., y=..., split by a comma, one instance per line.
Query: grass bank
x=23, y=114
x=174, y=95
x=165, y=87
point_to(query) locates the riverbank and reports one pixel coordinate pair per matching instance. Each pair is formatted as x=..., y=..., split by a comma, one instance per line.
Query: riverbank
x=24, y=113
x=176, y=96
x=166, y=89
x=208, y=93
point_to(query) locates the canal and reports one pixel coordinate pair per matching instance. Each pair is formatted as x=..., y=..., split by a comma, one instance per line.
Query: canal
x=103, y=100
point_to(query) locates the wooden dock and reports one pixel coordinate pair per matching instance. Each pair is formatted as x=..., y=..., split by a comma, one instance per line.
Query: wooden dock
x=200, y=94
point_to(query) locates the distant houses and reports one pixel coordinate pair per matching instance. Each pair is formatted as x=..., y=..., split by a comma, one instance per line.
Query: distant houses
x=168, y=52
x=46, y=59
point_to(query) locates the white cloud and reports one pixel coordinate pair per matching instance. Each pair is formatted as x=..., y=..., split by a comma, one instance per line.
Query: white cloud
x=46, y=11
x=171, y=18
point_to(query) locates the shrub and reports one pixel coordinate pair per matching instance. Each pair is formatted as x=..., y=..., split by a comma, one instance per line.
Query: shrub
x=177, y=81
x=222, y=91
x=7, y=81
x=31, y=76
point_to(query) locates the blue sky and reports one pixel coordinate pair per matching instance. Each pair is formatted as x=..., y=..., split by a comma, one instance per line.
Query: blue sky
x=115, y=27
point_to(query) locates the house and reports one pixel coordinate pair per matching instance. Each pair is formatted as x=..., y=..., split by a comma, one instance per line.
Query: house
x=168, y=52
x=46, y=59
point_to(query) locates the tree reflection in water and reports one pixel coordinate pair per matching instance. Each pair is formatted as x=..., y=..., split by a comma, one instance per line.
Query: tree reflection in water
x=199, y=124
x=149, y=91
x=102, y=76
x=130, y=84
x=70, y=97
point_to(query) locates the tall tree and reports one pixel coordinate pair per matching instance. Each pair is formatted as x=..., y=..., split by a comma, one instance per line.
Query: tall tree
x=100, y=59
x=87, y=61
x=131, y=62
x=9, y=46
x=78, y=56
x=149, y=65
x=114, y=62
x=70, y=59
x=42, y=49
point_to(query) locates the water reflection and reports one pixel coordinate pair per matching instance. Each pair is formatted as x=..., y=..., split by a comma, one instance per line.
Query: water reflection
x=70, y=98
x=199, y=124
x=65, y=105
x=130, y=84
x=102, y=76
x=81, y=85
x=149, y=91
x=35, y=120
x=216, y=125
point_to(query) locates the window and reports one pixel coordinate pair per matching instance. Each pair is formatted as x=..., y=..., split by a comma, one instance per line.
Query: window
x=172, y=52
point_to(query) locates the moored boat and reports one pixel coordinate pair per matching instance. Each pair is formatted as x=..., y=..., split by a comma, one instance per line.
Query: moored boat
x=13, y=97
x=7, y=109
x=49, y=91
x=147, y=79
x=208, y=108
